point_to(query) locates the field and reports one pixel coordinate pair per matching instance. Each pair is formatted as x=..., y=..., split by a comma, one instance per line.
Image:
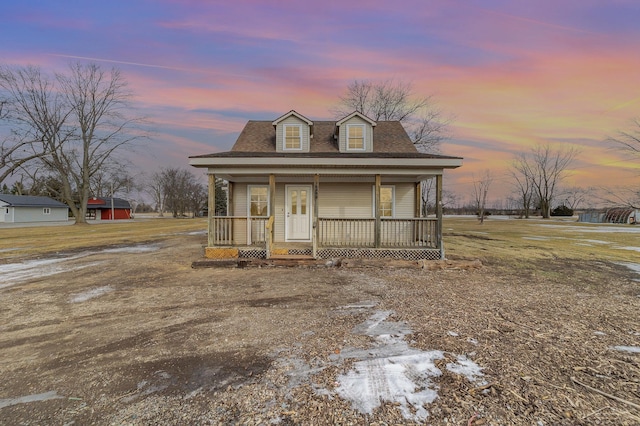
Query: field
x=109, y=324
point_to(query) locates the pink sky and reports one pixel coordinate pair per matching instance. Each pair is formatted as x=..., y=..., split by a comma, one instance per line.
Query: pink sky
x=514, y=74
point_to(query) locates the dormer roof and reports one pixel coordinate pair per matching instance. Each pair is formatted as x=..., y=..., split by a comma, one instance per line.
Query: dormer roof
x=295, y=114
x=355, y=114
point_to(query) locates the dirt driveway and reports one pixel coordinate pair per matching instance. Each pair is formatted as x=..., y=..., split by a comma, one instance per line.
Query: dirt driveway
x=134, y=335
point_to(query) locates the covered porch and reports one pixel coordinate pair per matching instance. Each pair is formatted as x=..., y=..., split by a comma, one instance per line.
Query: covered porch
x=325, y=215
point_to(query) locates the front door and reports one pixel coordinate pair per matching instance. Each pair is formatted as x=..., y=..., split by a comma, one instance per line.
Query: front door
x=298, y=213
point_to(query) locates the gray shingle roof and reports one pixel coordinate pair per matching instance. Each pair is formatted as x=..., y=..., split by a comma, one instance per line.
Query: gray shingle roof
x=260, y=136
x=258, y=139
x=30, y=201
x=105, y=203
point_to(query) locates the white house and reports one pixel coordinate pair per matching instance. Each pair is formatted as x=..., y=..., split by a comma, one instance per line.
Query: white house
x=31, y=209
x=346, y=188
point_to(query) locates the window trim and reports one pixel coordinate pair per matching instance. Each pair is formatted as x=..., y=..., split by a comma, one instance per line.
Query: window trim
x=284, y=137
x=393, y=201
x=249, y=188
x=364, y=137
x=46, y=210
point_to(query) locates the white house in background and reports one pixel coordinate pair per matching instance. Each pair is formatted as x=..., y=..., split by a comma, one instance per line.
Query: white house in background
x=31, y=209
x=322, y=189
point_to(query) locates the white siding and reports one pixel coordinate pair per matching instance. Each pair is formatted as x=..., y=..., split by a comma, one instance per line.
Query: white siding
x=36, y=214
x=404, y=200
x=280, y=134
x=344, y=200
x=368, y=134
x=335, y=200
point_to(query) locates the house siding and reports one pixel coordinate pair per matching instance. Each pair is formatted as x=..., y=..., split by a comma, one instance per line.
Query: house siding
x=33, y=214
x=355, y=200
x=335, y=200
x=280, y=134
x=368, y=134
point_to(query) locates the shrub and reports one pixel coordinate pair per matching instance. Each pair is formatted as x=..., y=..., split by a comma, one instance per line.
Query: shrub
x=562, y=211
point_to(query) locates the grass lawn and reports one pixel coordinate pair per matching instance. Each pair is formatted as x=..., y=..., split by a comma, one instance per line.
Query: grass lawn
x=517, y=240
x=37, y=241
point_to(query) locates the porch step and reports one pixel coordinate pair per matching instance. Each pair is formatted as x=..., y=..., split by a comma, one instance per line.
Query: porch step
x=291, y=256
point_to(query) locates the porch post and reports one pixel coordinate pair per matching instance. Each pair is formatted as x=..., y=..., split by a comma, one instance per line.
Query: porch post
x=272, y=210
x=230, y=199
x=418, y=199
x=212, y=209
x=378, y=224
x=439, y=215
x=316, y=226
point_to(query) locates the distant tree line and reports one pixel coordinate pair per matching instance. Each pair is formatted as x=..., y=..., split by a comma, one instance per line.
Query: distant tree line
x=62, y=132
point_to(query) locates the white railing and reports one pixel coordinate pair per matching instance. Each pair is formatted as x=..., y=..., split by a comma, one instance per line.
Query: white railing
x=238, y=230
x=394, y=233
x=332, y=232
x=346, y=232
x=408, y=233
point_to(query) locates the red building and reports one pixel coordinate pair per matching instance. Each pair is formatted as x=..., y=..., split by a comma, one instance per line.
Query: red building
x=101, y=208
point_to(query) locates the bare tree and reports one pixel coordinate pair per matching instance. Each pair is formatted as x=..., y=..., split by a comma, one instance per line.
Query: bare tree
x=522, y=176
x=35, y=114
x=156, y=188
x=543, y=168
x=98, y=102
x=395, y=100
x=629, y=141
x=73, y=124
x=574, y=196
x=481, y=187
x=427, y=195
x=177, y=191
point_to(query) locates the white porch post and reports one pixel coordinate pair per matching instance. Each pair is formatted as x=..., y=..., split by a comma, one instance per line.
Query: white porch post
x=418, y=199
x=316, y=225
x=377, y=238
x=212, y=209
x=229, y=198
x=439, y=214
x=272, y=210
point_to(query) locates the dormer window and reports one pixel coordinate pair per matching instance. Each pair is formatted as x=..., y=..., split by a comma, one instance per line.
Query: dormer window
x=355, y=137
x=292, y=137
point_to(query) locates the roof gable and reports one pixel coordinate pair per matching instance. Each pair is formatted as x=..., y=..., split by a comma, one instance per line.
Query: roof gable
x=260, y=137
x=295, y=114
x=355, y=114
x=105, y=203
x=30, y=201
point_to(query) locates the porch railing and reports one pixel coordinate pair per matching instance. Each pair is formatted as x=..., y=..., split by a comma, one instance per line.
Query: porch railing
x=238, y=230
x=394, y=233
x=332, y=232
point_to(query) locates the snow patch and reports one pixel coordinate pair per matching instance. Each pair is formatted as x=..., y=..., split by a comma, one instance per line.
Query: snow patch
x=535, y=238
x=15, y=273
x=391, y=371
x=30, y=398
x=631, y=349
x=90, y=294
x=635, y=267
x=628, y=248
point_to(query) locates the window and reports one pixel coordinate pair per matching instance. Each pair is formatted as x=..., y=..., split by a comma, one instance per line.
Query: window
x=387, y=201
x=258, y=201
x=355, y=136
x=292, y=136
x=46, y=210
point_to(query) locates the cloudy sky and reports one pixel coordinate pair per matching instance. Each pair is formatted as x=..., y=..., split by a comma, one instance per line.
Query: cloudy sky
x=514, y=73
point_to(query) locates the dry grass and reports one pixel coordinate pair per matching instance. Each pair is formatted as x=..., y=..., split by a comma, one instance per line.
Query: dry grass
x=534, y=239
x=493, y=241
x=37, y=241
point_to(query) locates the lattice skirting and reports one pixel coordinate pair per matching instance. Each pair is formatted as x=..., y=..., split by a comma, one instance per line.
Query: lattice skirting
x=346, y=253
x=403, y=254
x=252, y=253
